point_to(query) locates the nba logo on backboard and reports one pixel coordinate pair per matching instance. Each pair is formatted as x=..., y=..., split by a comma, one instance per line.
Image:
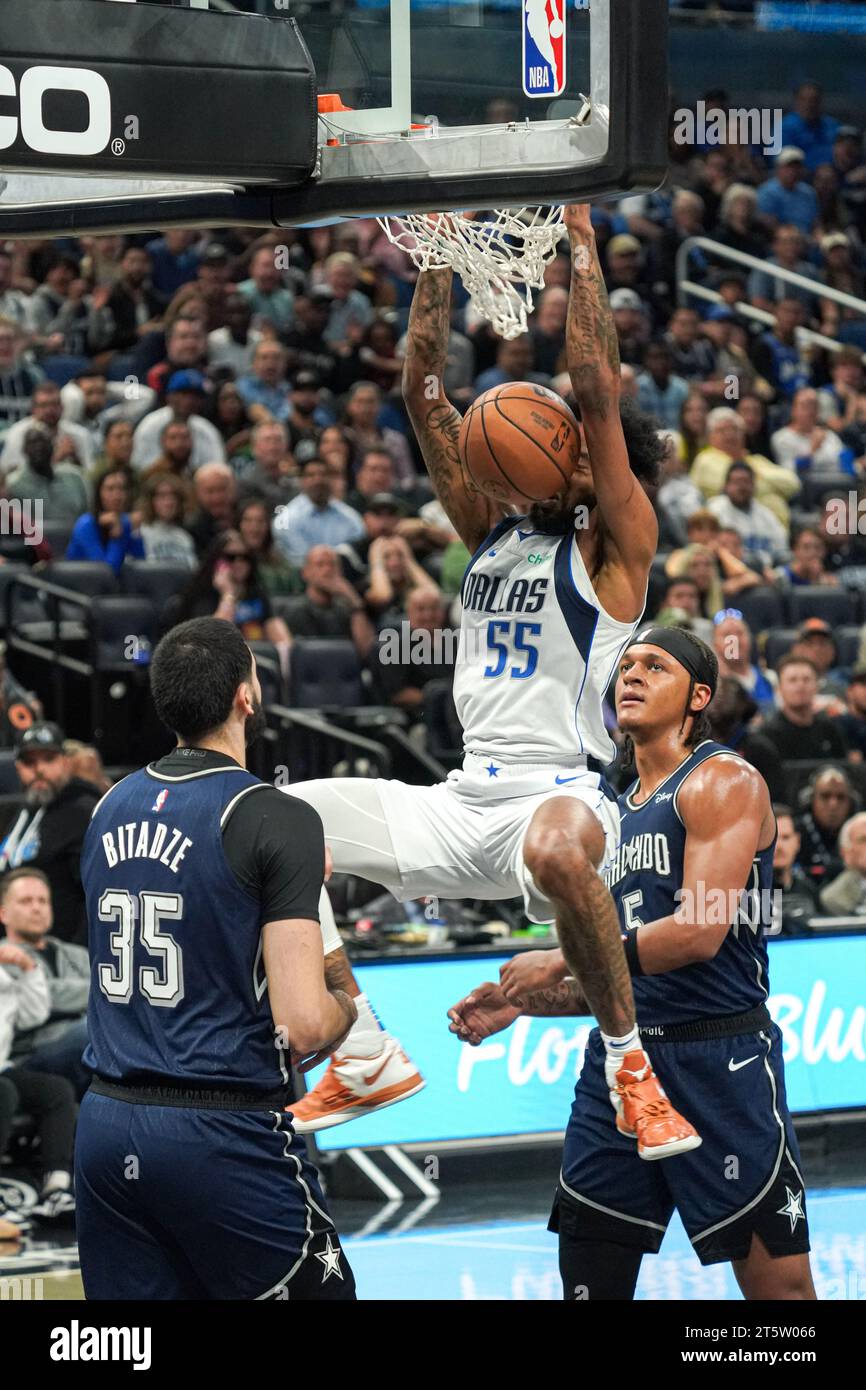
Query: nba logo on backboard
x=544, y=47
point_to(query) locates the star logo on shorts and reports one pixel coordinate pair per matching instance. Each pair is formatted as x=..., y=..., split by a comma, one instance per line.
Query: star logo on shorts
x=330, y=1258
x=793, y=1208
x=492, y=770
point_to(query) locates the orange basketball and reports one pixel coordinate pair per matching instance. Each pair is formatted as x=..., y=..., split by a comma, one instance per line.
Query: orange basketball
x=519, y=443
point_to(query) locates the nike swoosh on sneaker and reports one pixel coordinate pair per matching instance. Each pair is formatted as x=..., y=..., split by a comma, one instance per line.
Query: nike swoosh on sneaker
x=371, y=1080
x=735, y=1066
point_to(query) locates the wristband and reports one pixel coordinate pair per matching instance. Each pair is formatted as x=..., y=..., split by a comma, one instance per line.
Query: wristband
x=632, y=958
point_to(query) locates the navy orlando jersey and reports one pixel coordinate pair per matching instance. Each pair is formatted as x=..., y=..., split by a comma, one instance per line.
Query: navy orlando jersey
x=645, y=878
x=178, y=989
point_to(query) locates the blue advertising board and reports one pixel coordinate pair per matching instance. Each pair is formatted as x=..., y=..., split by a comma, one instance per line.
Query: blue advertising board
x=521, y=1082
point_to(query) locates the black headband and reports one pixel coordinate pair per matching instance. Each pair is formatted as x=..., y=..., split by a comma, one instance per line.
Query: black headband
x=683, y=649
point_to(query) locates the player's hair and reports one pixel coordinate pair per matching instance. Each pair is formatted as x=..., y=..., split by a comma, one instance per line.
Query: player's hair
x=195, y=672
x=8, y=880
x=646, y=448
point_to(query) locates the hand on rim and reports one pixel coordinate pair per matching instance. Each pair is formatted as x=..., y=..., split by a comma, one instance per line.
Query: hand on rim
x=576, y=217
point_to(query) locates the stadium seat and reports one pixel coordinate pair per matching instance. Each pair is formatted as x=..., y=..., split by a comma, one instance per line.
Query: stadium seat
x=10, y=783
x=9, y=572
x=836, y=606
x=115, y=619
x=57, y=534
x=762, y=608
x=324, y=671
x=778, y=642
x=827, y=485
x=154, y=580
x=269, y=672
x=90, y=577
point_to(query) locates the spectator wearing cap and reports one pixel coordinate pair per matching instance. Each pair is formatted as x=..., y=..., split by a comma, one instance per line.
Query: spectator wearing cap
x=799, y=894
x=56, y=1045
x=632, y=325
x=732, y=644
x=265, y=388
x=382, y=514
x=233, y=346
x=807, y=563
x=307, y=416
x=211, y=287
x=306, y=346
x=660, y=392
x=273, y=476
x=787, y=197
x=185, y=395
x=803, y=445
x=726, y=438
x=806, y=126
x=124, y=312
x=693, y=355
x=623, y=258
x=852, y=721
x=351, y=311
x=164, y=500
x=70, y=442
x=799, y=729
x=48, y=833
x=174, y=259
x=840, y=270
x=330, y=606
x=764, y=537
x=815, y=639
x=778, y=356
x=271, y=302
x=106, y=533
x=732, y=362
x=58, y=488
x=315, y=517
x=845, y=896
x=215, y=488
x=766, y=290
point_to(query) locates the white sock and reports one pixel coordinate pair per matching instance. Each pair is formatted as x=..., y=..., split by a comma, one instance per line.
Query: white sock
x=58, y=1180
x=616, y=1048
x=366, y=1037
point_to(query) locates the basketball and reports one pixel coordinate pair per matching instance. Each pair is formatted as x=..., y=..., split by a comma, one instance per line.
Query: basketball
x=519, y=443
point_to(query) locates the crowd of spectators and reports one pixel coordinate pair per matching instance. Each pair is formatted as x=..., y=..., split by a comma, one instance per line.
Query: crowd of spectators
x=227, y=404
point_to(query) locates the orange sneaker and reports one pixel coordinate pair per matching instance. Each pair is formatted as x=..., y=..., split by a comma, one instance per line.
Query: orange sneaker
x=643, y=1111
x=354, y=1086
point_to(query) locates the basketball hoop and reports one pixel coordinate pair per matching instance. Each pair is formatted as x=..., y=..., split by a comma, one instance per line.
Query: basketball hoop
x=500, y=261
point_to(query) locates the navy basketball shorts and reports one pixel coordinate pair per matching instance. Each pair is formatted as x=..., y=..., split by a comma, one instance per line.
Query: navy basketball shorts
x=744, y=1179
x=182, y=1203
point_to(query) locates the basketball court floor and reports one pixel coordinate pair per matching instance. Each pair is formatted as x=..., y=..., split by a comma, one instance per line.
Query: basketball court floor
x=487, y=1241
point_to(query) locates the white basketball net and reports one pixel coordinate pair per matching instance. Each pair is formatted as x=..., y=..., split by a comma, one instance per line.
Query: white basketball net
x=500, y=261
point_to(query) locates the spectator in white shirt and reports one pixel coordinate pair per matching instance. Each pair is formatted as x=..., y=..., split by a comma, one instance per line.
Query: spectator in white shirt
x=184, y=396
x=764, y=537
x=804, y=445
x=13, y=304
x=234, y=345
x=47, y=409
x=95, y=403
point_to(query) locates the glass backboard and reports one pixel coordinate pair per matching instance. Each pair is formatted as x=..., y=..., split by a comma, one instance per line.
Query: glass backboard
x=421, y=105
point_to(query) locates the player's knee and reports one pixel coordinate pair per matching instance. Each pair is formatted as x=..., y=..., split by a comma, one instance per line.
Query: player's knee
x=556, y=859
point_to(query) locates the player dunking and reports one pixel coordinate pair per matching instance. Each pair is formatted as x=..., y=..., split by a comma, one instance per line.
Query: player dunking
x=547, y=611
x=697, y=828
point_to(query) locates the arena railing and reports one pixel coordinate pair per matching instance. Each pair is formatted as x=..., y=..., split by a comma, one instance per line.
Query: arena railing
x=687, y=287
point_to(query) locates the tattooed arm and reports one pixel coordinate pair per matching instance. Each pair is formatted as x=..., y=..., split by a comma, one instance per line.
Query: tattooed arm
x=434, y=418
x=592, y=352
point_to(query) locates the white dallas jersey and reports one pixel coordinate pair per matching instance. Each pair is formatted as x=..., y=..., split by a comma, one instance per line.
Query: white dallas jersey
x=537, y=652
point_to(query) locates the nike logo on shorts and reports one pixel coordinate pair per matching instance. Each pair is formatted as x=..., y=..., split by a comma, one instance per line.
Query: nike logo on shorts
x=560, y=781
x=735, y=1066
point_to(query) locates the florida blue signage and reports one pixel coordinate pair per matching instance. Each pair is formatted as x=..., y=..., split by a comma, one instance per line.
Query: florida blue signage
x=521, y=1081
